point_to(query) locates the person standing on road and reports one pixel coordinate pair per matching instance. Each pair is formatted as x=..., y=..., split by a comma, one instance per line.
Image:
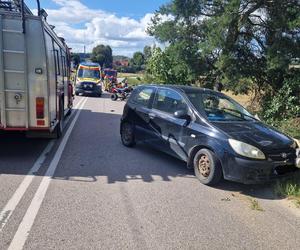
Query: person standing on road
x=106, y=83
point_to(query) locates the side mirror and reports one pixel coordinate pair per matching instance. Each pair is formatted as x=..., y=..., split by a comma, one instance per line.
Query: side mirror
x=182, y=114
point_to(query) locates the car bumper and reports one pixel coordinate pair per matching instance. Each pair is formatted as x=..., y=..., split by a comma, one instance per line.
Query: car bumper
x=88, y=92
x=253, y=171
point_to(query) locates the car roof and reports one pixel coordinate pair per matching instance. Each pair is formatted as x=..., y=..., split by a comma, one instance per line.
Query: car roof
x=184, y=88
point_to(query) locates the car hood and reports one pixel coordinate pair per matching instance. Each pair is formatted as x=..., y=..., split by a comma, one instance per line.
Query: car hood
x=255, y=133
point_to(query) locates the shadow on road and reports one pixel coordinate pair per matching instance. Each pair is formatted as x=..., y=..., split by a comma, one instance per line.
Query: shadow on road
x=95, y=150
x=18, y=153
x=262, y=191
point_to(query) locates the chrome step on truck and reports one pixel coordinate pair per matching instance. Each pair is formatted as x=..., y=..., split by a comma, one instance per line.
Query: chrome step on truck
x=35, y=88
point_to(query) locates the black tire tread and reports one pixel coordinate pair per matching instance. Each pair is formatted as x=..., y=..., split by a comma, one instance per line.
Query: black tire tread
x=132, y=143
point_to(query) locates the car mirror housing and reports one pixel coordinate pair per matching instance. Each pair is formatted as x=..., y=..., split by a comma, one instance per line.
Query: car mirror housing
x=182, y=114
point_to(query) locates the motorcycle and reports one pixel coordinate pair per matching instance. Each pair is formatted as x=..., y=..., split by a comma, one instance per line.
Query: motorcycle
x=120, y=93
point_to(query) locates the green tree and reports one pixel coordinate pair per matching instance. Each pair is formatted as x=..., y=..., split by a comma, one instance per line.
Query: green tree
x=147, y=52
x=138, y=60
x=168, y=67
x=248, y=44
x=103, y=55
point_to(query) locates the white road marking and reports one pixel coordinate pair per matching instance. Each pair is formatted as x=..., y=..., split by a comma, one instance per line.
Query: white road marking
x=13, y=202
x=17, y=196
x=31, y=213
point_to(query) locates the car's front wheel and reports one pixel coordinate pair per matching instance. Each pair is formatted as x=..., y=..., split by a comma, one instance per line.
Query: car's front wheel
x=127, y=134
x=207, y=167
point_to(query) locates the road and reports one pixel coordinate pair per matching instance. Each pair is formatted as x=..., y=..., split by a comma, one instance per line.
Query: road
x=90, y=192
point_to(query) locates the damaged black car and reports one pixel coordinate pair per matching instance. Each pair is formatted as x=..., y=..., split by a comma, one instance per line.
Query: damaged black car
x=210, y=132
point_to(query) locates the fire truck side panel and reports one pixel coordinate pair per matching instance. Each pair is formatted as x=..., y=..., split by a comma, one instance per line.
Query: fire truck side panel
x=34, y=74
x=36, y=71
x=51, y=77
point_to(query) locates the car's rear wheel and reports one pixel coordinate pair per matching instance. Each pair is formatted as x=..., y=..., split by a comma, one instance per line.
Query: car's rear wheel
x=207, y=167
x=127, y=134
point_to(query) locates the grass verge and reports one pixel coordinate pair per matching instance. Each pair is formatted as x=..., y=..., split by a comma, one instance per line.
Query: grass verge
x=289, y=189
x=133, y=79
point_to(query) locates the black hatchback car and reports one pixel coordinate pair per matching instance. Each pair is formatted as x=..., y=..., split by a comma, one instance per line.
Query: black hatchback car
x=211, y=132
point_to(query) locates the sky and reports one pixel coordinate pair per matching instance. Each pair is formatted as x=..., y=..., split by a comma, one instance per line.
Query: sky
x=120, y=24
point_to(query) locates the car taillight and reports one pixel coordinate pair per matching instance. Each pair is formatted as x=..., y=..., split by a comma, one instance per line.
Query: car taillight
x=40, y=109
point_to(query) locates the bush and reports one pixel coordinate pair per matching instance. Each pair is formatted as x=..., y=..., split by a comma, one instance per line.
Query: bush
x=284, y=105
x=281, y=109
x=291, y=127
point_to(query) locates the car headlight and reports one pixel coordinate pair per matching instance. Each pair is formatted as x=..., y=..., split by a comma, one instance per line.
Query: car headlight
x=246, y=150
x=294, y=145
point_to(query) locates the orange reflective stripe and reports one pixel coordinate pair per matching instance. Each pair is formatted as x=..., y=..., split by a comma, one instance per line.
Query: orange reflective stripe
x=90, y=68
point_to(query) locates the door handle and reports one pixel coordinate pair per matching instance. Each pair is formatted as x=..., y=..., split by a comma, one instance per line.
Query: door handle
x=152, y=116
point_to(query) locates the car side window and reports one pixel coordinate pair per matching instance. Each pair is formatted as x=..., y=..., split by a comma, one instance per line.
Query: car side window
x=169, y=101
x=142, y=97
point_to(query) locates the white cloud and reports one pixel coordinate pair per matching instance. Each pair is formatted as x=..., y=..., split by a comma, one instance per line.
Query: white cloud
x=125, y=35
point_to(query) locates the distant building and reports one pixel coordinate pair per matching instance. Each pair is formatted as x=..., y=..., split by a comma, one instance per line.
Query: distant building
x=124, y=63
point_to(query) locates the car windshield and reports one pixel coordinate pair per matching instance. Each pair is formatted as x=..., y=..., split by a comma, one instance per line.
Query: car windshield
x=219, y=107
x=88, y=73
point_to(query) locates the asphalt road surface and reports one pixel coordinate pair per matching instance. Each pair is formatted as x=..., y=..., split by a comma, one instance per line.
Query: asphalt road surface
x=87, y=191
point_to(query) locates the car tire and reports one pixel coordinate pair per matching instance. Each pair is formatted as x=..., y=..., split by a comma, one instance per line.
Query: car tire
x=127, y=134
x=207, y=167
x=76, y=93
x=114, y=97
